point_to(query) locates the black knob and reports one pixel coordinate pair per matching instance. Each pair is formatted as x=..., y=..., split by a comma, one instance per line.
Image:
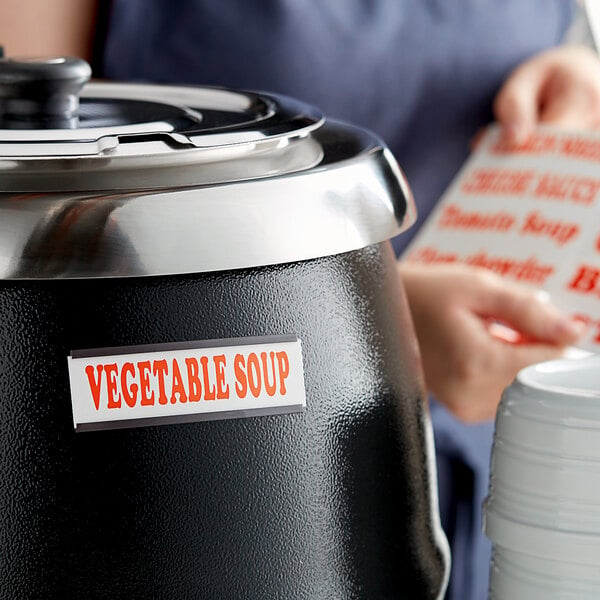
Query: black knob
x=41, y=93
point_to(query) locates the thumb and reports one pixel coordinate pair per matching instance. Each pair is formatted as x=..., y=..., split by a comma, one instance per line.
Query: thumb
x=516, y=106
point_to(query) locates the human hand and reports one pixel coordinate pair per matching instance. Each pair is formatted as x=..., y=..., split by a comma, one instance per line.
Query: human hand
x=560, y=86
x=455, y=309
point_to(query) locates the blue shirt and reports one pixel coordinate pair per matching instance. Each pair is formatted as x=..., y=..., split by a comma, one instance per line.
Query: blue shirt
x=422, y=74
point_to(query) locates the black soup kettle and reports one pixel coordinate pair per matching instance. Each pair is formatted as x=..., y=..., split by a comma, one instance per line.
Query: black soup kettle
x=210, y=385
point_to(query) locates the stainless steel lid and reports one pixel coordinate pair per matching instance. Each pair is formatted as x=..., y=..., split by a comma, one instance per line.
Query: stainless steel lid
x=133, y=180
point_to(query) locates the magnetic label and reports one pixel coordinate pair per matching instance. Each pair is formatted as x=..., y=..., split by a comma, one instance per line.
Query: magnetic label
x=183, y=382
x=531, y=214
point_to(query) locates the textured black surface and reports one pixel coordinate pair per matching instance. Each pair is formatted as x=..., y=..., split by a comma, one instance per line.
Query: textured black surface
x=330, y=503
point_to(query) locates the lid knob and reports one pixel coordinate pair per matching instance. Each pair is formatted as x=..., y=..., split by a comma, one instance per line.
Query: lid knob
x=41, y=93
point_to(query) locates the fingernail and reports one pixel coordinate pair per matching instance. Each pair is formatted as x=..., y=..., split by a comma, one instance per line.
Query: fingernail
x=542, y=296
x=571, y=328
x=580, y=327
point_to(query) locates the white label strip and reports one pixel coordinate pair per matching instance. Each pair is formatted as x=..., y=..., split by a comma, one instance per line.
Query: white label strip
x=170, y=383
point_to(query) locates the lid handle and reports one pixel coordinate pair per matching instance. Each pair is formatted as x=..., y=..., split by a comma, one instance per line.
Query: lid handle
x=41, y=93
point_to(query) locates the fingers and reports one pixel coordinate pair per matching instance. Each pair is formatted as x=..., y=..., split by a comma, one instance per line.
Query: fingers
x=569, y=100
x=560, y=86
x=466, y=365
x=565, y=107
x=476, y=399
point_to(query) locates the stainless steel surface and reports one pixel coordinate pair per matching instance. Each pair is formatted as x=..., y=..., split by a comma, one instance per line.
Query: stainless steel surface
x=259, y=119
x=267, y=181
